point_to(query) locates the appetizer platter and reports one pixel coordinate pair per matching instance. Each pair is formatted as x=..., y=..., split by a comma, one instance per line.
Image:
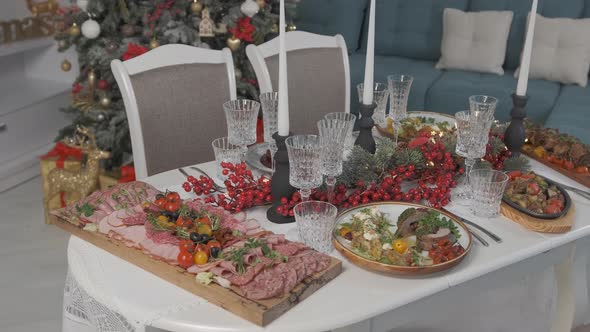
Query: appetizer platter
x=225, y=258
x=401, y=238
x=420, y=122
x=536, y=196
x=561, y=152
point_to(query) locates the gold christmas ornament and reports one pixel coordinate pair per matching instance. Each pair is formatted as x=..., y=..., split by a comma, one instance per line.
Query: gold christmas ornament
x=196, y=7
x=291, y=27
x=233, y=43
x=84, y=181
x=105, y=101
x=274, y=28
x=91, y=77
x=261, y=3
x=66, y=65
x=74, y=30
x=154, y=43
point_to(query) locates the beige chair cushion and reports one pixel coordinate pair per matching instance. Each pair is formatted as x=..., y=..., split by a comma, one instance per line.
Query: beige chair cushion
x=316, y=85
x=474, y=41
x=180, y=110
x=561, y=50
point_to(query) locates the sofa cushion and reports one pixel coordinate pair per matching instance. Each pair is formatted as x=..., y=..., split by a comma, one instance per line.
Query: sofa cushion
x=561, y=50
x=474, y=41
x=410, y=28
x=521, y=8
x=423, y=72
x=330, y=17
x=451, y=91
x=570, y=114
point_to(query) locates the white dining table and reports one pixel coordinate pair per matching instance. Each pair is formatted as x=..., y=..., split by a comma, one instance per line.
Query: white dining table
x=528, y=282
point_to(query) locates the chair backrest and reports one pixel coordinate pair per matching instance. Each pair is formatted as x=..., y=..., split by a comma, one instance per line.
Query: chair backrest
x=173, y=97
x=319, y=75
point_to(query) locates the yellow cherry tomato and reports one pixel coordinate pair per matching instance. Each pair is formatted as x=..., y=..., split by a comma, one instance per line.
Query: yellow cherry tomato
x=204, y=229
x=201, y=258
x=400, y=246
x=343, y=231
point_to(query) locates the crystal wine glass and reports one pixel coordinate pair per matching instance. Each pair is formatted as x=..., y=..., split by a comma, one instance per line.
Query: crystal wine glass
x=305, y=163
x=332, y=136
x=380, y=95
x=399, y=91
x=482, y=103
x=315, y=223
x=270, y=105
x=473, y=130
x=350, y=119
x=241, y=116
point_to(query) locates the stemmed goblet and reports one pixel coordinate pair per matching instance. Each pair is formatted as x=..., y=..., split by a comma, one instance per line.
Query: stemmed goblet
x=305, y=163
x=241, y=116
x=380, y=94
x=473, y=129
x=482, y=103
x=399, y=91
x=350, y=119
x=332, y=136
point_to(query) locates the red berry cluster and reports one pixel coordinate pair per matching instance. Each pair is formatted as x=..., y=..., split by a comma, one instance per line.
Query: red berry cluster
x=432, y=183
x=243, y=190
x=497, y=160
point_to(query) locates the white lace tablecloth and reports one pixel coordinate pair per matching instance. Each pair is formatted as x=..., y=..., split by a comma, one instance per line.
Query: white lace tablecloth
x=105, y=294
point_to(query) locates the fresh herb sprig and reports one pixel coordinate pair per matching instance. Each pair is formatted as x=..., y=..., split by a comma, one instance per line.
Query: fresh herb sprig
x=430, y=224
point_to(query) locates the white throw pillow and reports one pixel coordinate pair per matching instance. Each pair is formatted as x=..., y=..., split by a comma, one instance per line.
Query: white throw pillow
x=561, y=50
x=474, y=40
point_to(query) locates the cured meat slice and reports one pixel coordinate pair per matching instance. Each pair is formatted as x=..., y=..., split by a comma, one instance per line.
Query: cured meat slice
x=132, y=235
x=289, y=248
x=202, y=268
x=137, y=219
x=275, y=238
x=160, y=237
x=165, y=252
x=242, y=279
x=267, y=284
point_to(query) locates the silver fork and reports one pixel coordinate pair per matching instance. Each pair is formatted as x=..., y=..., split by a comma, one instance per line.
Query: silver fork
x=215, y=185
x=471, y=223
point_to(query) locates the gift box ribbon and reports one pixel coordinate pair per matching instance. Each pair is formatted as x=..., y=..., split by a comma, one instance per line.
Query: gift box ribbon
x=62, y=152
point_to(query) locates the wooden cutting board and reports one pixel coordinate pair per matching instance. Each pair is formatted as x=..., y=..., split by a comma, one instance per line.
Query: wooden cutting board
x=259, y=312
x=580, y=178
x=559, y=225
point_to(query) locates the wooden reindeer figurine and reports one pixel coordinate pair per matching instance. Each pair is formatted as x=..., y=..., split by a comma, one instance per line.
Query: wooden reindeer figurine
x=81, y=183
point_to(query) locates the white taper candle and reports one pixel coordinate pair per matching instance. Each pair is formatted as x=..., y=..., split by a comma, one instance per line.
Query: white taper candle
x=525, y=63
x=370, y=59
x=283, y=112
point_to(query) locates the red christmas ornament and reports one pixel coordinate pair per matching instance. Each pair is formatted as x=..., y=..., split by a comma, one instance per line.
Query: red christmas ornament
x=102, y=84
x=76, y=88
x=243, y=30
x=133, y=50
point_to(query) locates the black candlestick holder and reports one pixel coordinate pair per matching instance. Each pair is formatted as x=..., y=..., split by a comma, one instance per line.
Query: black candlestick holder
x=280, y=186
x=515, y=134
x=366, y=123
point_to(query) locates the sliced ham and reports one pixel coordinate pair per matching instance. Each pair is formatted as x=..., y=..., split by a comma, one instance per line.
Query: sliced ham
x=132, y=235
x=165, y=252
x=160, y=237
x=138, y=218
x=203, y=268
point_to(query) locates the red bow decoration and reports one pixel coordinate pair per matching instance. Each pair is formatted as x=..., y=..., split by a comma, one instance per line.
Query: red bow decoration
x=62, y=151
x=133, y=50
x=127, y=174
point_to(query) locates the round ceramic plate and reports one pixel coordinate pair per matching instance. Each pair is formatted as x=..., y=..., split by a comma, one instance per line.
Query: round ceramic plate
x=438, y=117
x=392, y=210
x=548, y=217
x=255, y=152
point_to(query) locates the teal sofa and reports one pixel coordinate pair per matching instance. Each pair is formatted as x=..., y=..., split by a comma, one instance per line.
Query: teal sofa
x=408, y=40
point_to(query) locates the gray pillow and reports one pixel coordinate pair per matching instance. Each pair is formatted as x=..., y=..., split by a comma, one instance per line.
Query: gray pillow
x=474, y=40
x=561, y=50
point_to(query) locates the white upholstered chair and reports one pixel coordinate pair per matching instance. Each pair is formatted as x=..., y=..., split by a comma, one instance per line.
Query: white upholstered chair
x=173, y=97
x=319, y=75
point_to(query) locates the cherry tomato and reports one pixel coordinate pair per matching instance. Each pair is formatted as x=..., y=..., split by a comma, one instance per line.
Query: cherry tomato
x=202, y=247
x=173, y=196
x=185, y=259
x=581, y=169
x=556, y=202
x=171, y=206
x=186, y=245
x=213, y=244
x=514, y=174
x=200, y=258
x=204, y=229
x=568, y=164
x=183, y=222
x=557, y=161
x=551, y=209
x=160, y=202
x=533, y=188
x=204, y=220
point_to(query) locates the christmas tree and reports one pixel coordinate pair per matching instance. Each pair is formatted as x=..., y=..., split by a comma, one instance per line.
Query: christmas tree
x=103, y=30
